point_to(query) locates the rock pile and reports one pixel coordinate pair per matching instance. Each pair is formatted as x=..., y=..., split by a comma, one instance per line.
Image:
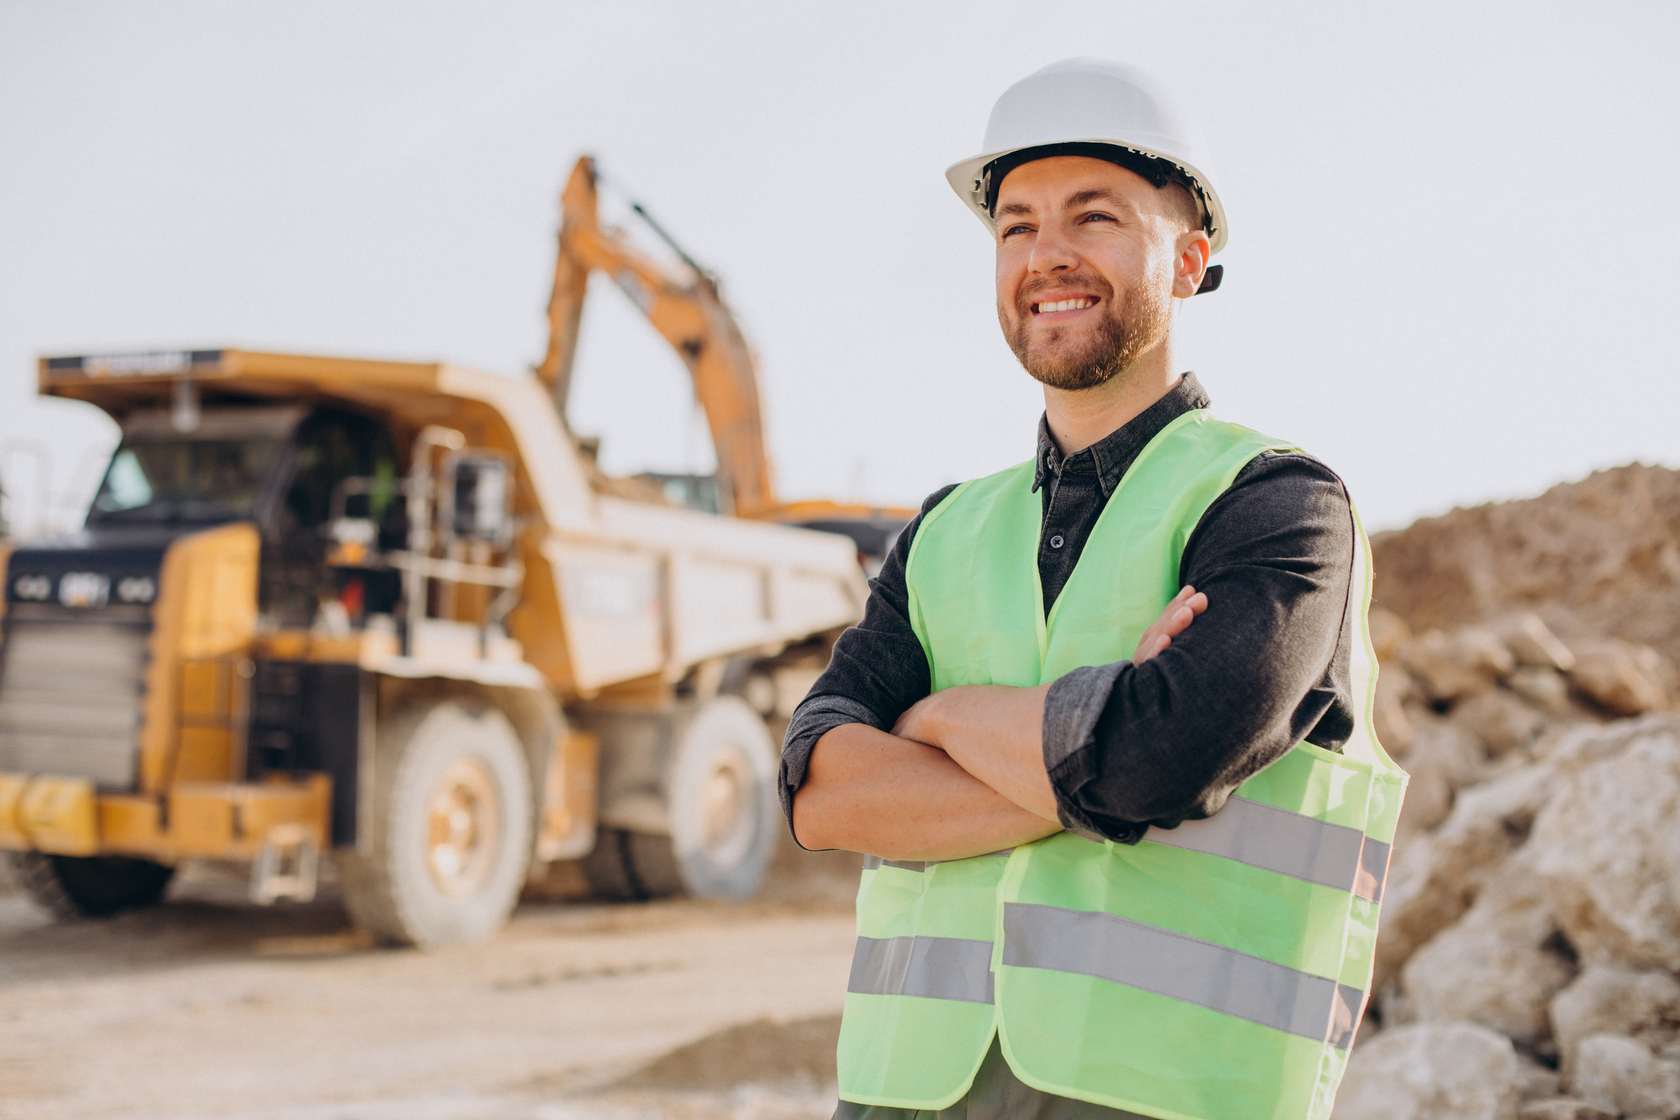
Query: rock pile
x=1599, y=556
x=1531, y=926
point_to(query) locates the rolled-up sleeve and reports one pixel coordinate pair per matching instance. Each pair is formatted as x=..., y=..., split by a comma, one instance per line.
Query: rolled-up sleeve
x=877, y=670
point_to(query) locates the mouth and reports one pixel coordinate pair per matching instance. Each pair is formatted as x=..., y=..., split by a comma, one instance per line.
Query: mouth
x=1061, y=307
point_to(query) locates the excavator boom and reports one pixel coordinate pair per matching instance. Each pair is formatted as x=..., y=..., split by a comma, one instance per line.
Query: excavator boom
x=684, y=307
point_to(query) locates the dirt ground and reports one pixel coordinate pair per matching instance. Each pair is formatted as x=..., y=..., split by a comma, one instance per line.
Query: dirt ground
x=209, y=1007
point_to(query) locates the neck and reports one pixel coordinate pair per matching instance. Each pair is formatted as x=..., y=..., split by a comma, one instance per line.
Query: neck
x=1080, y=417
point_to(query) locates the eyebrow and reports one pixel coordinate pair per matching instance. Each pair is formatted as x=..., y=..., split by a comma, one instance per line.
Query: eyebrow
x=1073, y=201
x=1081, y=198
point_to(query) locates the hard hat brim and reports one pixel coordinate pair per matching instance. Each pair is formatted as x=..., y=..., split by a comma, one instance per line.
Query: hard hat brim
x=964, y=178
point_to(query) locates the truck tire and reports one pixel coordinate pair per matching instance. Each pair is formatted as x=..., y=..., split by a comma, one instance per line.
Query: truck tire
x=627, y=866
x=450, y=834
x=71, y=887
x=720, y=801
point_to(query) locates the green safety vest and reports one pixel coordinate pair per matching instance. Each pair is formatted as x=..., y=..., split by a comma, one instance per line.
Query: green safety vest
x=1213, y=971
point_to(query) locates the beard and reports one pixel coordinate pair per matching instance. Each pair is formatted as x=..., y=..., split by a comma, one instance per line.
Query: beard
x=1126, y=328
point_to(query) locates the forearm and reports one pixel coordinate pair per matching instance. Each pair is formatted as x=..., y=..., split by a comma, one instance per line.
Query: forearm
x=993, y=732
x=876, y=670
x=868, y=791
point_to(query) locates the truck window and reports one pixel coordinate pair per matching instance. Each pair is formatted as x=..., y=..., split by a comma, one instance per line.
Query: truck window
x=184, y=479
x=330, y=447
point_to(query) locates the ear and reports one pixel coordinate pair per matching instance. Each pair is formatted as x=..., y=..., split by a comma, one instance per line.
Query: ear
x=1193, y=251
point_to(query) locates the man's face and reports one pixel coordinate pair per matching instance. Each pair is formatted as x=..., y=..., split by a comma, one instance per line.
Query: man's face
x=1088, y=258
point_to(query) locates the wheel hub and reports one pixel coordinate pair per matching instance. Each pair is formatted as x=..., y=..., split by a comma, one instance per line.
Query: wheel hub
x=463, y=827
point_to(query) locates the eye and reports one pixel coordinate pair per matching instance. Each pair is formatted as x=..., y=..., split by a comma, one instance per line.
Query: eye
x=1097, y=216
x=1013, y=230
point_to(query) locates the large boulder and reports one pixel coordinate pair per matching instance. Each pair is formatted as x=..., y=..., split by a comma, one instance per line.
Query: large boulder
x=1442, y=759
x=1532, y=643
x=1497, y=965
x=1432, y=1071
x=1546, y=689
x=1500, y=720
x=1465, y=662
x=1574, y=747
x=1609, y=999
x=1622, y=1075
x=1607, y=845
x=1435, y=877
x=1623, y=678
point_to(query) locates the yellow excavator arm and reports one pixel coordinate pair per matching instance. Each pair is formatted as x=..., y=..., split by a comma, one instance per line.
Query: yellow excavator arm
x=687, y=310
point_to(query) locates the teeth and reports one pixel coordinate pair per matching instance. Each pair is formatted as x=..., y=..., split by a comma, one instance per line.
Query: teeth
x=1078, y=304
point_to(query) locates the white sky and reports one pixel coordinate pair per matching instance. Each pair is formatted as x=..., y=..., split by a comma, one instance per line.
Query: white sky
x=1452, y=226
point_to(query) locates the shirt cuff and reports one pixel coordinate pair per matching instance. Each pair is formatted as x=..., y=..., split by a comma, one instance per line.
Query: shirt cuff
x=1072, y=708
x=814, y=718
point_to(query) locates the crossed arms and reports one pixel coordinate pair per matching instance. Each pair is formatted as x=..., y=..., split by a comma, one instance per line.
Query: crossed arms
x=962, y=772
x=1124, y=746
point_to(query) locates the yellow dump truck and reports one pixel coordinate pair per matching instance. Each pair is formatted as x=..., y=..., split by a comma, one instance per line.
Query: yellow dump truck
x=390, y=611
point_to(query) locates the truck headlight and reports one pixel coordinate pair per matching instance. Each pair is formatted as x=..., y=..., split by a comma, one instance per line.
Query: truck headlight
x=136, y=589
x=33, y=589
x=84, y=589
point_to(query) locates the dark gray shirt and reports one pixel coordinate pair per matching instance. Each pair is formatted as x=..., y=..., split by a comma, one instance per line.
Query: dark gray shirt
x=1128, y=746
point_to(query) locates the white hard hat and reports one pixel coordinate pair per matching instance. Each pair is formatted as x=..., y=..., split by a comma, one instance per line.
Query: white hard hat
x=1090, y=101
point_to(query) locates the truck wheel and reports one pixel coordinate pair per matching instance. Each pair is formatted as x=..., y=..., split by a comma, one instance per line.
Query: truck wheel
x=450, y=831
x=70, y=887
x=722, y=801
x=626, y=866
x=721, y=805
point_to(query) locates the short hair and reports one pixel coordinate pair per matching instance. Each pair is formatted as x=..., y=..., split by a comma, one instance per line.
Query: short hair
x=1159, y=173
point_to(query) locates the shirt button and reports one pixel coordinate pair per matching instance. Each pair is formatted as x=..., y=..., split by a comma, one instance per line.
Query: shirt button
x=1056, y=541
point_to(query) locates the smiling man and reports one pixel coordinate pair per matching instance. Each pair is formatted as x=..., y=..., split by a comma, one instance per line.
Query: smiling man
x=1103, y=733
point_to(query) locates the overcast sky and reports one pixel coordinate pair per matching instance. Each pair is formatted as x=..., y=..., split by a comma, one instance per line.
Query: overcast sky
x=1449, y=275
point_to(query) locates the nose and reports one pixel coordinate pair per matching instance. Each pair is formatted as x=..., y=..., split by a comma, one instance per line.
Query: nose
x=1051, y=251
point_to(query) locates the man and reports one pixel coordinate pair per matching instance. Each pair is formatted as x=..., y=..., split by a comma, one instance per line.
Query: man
x=1103, y=732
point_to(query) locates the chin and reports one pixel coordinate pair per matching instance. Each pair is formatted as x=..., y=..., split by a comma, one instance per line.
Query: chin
x=1061, y=359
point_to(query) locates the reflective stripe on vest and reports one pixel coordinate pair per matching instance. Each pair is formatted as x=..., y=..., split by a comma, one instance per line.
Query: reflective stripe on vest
x=1213, y=970
x=1200, y=972
x=1301, y=847
x=931, y=967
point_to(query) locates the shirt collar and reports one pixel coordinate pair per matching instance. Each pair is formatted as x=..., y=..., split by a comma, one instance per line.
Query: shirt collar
x=1111, y=456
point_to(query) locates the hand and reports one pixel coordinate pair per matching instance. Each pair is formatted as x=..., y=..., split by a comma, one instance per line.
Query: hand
x=918, y=723
x=992, y=731
x=869, y=792
x=1175, y=620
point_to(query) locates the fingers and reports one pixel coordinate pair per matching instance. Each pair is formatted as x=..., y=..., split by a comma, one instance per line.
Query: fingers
x=1175, y=619
x=1182, y=611
x=1187, y=598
